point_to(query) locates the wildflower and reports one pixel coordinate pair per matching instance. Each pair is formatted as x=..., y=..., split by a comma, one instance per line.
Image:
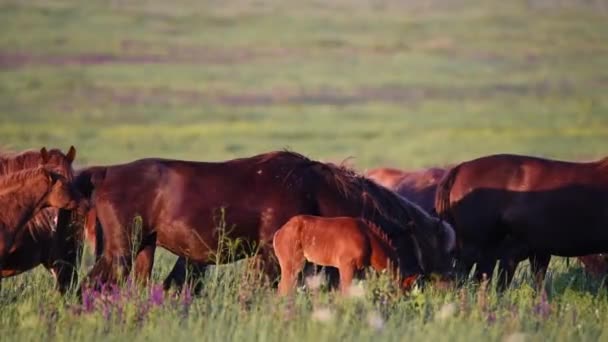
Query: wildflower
x=491, y=317
x=543, y=308
x=157, y=295
x=447, y=310
x=375, y=321
x=356, y=291
x=88, y=300
x=323, y=315
x=187, y=296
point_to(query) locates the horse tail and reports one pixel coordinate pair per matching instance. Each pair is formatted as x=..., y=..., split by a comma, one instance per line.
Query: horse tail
x=442, y=195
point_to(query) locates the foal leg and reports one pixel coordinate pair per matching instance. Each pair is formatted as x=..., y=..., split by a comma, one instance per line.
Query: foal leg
x=291, y=261
x=290, y=265
x=347, y=272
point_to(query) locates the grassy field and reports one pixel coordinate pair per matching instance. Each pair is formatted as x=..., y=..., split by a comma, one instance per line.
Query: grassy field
x=390, y=83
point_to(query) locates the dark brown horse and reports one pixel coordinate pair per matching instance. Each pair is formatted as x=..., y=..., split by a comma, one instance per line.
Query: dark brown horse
x=22, y=195
x=41, y=244
x=509, y=207
x=347, y=243
x=179, y=203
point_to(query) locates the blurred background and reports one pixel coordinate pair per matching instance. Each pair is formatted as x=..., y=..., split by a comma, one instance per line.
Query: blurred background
x=388, y=82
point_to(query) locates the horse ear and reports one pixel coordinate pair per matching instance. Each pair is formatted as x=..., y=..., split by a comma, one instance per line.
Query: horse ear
x=44, y=155
x=71, y=154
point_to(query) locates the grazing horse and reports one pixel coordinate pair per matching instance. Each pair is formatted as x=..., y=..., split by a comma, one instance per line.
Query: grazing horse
x=509, y=207
x=179, y=204
x=24, y=194
x=349, y=244
x=41, y=244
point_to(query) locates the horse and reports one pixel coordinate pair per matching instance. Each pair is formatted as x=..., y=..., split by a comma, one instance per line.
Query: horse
x=347, y=243
x=41, y=245
x=417, y=186
x=179, y=204
x=510, y=207
x=386, y=176
x=23, y=194
x=595, y=264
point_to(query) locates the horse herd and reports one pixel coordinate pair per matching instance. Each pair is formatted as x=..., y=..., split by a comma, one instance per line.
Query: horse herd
x=288, y=208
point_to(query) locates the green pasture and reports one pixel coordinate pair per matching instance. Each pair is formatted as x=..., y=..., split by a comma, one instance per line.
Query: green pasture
x=391, y=83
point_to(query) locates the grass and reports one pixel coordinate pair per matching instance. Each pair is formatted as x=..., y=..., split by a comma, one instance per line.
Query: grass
x=391, y=83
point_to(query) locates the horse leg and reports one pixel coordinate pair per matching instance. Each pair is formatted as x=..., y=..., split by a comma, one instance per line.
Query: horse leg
x=506, y=270
x=115, y=261
x=485, y=266
x=144, y=262
x=179, y=274
x=539, y=263
x=291, y=261
x=511, y=253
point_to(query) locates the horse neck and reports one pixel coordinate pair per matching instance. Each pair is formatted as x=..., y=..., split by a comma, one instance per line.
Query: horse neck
x=21, y=202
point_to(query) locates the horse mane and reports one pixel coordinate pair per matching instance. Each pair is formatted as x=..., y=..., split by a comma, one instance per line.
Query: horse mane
x=377, y=202
x=42, y=222
x=11, y=161
x=380, y=234
x=376, y=198
x=285, y=153
x=21, y=178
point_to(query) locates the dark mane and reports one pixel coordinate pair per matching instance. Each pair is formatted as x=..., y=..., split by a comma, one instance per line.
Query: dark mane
x=271, y=156
x=44, y=221
x=378, y=202
x=381, y=234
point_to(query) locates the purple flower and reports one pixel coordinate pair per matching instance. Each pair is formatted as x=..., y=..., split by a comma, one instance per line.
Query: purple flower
x=88, y=300
x=491, y=317
x=187, y=296
x=543, y=308
x=157, y=295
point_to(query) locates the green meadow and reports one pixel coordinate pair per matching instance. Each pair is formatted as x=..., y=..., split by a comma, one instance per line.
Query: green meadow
x=404, y=83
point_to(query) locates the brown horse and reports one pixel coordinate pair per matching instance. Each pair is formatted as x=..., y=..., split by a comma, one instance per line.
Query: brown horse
x=24, y=194
x=509, y=207
x=417, y=186
x=41, y=244
x=595, y=264
x=178, y=203
x=349, y=244
x=388, y=177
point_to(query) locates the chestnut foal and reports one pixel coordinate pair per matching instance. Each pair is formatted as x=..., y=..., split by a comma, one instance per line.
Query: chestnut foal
x=349, y=244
